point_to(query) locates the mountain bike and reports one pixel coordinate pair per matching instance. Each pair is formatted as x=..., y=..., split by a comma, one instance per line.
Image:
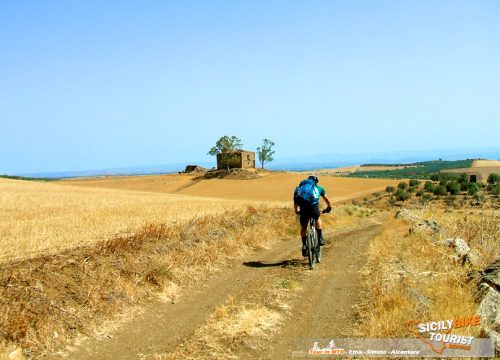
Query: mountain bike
x=312, y=242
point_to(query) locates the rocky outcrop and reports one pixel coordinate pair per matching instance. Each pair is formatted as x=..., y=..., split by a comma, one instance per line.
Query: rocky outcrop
x=195, y=169
x=463, y=252
x=426, y=226
x=489, y=308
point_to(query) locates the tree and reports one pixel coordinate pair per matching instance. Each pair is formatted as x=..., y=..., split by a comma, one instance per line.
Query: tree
x=265, y=152
x=226, y=146
x=414, y=182
x=402, y=185
x=390, y=189
x=401, y=195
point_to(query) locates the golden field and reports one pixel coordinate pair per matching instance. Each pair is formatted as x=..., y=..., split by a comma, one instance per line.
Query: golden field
x=38, y=217
x=274, y=187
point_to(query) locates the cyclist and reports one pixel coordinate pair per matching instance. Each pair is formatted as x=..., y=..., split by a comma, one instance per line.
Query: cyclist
x=308, y=207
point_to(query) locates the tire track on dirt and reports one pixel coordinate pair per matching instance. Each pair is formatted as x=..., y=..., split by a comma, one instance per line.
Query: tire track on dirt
x=163, y=327
x=326, y=308
x=331, y=288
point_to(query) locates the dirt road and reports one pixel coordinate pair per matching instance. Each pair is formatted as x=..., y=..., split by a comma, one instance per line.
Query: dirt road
x=313, y=304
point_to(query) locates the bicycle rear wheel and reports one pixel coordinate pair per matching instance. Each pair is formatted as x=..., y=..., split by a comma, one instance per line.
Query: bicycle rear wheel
x=310, y=248
x=318, y=252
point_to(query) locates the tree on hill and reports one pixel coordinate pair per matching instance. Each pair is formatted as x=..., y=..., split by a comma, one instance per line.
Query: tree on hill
x=390, y=189
x=226, y=146
x=401, y=195
x=402, y=185
x=414, y=182
x=265, y=152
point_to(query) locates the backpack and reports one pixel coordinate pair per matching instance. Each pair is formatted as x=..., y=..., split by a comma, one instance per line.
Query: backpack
x=304, y=193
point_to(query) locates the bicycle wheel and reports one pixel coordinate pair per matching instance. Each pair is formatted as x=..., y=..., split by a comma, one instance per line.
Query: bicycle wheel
x=317, y=251
x=310, y=248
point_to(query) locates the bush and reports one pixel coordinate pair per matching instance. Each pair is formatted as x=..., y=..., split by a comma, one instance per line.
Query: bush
x=464, y=186
x=472, y=188
x=429, y=186
x=419, y=193
x=493, y=178
x=414, y=182
x=462, y=178
x=440, y=190
x=402, y=186
x=401, y=195
x=493, y=189
x=425, y=198
x=390, y=189
x=453, y=187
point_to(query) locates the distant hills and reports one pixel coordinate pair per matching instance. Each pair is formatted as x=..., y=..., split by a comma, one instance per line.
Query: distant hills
x=302, y=163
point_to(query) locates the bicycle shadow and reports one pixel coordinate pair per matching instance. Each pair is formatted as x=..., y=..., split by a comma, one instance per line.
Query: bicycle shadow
x=263, y=264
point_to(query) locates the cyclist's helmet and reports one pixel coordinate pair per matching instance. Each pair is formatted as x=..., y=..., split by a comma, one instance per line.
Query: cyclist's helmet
x=315, y=178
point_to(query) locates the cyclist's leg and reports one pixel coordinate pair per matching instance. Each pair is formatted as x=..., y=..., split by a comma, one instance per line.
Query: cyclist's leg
x=304, y=221
x=319, y=226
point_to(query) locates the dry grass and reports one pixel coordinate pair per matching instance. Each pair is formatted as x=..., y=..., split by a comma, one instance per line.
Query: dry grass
x=46, y=301
x=41, y=218
x=412, y=277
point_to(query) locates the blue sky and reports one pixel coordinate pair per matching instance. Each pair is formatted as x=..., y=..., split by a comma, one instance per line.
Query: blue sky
x=93, y=84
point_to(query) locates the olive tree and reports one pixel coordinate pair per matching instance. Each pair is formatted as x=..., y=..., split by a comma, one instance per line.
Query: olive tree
x=265, y=152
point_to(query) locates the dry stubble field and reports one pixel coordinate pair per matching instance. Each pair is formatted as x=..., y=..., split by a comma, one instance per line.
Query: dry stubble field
x=39, y=217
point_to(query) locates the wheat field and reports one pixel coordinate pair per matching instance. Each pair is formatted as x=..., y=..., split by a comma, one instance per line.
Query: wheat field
x=38, y=217
x=274, y=187
x=41, y=218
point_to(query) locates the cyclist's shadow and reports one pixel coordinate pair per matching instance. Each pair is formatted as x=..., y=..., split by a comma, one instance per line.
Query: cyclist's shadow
x=263, y=264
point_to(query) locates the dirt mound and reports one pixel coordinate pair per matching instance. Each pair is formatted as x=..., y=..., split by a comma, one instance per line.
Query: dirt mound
x=236, y=174
x=194, y=169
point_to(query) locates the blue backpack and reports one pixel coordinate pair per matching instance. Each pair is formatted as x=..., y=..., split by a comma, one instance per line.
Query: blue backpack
x=304, y=193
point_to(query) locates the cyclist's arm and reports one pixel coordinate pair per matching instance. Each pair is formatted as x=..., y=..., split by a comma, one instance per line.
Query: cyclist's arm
x=328, y=203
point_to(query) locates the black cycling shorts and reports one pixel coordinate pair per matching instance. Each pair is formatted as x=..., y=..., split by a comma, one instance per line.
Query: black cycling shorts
x=308, y=212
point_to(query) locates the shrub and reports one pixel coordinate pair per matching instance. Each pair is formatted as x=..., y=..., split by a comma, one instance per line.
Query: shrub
x=402, y=186
x=493, y=189
x=414, y=182
x=462, y=178
x=425, y=198
x=419, y=193
x=435, y=177
x=390, y=189
x=401, y=195
x=453, y=187
x=429, y=186
x=472, y=188
x=493, y=178
x=440, y=190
